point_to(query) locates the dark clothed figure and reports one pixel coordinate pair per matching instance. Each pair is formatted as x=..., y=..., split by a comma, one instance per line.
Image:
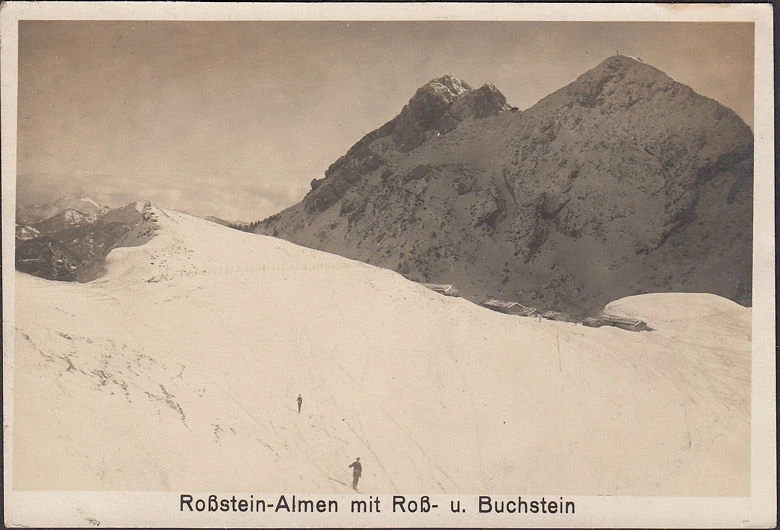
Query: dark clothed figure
x=300, y=402
x=357, y=469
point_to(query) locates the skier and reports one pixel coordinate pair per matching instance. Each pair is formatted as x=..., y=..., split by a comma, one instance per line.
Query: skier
x=357, y=469
x=300, y=402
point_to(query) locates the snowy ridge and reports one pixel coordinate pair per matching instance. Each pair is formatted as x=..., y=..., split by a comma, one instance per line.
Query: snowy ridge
x=83, y=204
x=91, y=201
x=637, y=59
x=203, y=337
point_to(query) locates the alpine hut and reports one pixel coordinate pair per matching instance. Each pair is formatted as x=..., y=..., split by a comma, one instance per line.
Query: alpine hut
x=556, y=315
x=442, y=288
x=510, y=308
x=630, y=324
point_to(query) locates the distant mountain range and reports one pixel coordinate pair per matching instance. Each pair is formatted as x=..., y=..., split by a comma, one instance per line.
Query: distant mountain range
x=217, y=220
x=225, y=222
x=623, y=182
x=68, y=239
x=35, y=213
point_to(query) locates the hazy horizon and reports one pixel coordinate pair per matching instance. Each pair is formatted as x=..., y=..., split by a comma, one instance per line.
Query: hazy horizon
x=234, y=119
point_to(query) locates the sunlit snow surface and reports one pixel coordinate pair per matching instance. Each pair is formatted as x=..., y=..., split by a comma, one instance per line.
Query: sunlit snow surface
x=179, y=369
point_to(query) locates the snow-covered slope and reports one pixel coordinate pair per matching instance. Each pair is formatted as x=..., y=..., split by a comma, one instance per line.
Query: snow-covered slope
x=179, y=370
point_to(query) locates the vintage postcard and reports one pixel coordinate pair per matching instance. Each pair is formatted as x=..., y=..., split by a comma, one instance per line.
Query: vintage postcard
x=406, y=265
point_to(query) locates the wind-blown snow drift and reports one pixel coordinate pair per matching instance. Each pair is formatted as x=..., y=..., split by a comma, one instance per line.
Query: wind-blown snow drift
x=179, y=369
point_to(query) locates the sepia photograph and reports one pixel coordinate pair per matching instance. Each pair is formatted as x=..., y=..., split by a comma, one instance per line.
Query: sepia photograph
x=302, y=269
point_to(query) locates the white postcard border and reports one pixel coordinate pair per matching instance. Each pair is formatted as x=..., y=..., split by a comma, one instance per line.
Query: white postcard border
x=161, y=509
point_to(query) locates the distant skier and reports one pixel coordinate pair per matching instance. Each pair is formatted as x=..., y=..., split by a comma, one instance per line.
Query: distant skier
x=300, y=402
x=357, y=469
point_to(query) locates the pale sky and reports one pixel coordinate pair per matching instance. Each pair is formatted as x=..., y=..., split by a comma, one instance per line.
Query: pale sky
x=234, y=119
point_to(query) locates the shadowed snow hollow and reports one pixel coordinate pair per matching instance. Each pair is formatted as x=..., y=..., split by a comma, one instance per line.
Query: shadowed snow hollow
x=179, y=370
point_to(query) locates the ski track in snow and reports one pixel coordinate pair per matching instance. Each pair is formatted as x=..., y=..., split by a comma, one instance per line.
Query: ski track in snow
x=179, y=370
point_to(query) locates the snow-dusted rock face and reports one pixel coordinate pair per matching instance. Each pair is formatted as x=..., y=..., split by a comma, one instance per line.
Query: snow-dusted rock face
x=621, y=183
x=441, y=104
x=179, y=369
x=24, y=233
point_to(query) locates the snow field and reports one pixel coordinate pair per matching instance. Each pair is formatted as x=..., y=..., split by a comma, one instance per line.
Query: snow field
x=178, y=370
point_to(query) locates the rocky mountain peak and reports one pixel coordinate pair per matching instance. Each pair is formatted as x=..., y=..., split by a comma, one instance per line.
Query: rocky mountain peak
x=432, y=100
x=619, y=74
x=623, y=67
x=442, y=103
x=446, y=84
x=625, y=181
x=485, y=101
x=436, y=109
x=621, y=84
